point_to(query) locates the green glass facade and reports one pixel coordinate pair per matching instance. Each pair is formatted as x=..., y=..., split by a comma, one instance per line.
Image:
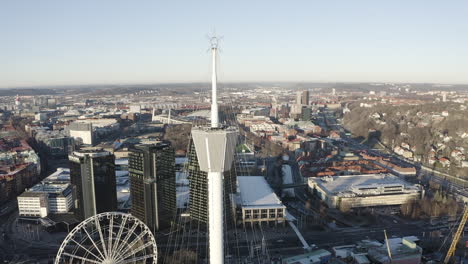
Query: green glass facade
x=152, y=184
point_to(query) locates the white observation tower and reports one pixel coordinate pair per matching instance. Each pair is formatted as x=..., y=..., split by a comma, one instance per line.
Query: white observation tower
x=215, y=152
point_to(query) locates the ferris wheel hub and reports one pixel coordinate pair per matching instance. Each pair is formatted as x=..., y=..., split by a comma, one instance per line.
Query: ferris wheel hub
x=109, y=261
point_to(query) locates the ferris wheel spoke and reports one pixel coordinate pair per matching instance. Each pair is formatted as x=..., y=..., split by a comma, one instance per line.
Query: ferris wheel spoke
x=130, y=245
x=121, y=229
x=136, y=259
x=129, y=241
x=83, y=247
x=137, y=250
x=80, y=258
x=94, y=244
x=127, y=236
x=111, y=230
x=103, y=242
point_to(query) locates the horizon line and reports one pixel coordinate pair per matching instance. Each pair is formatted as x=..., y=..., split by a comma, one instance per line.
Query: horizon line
x=52, y=86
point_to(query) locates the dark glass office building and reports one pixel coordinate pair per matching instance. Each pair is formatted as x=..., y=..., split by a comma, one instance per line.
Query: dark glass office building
x=92, y=175
x=198, y=181
x=153, y=184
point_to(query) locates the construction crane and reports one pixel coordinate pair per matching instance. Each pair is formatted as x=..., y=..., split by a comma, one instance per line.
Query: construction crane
x=457, y=235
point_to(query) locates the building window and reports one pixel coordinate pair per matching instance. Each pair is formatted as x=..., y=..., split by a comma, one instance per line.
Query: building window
x=280, y=213
x=248, y=214
x=264, y=213
x=255, y=214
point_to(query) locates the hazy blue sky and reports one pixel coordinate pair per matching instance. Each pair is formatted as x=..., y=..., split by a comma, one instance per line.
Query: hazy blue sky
x=85, y=42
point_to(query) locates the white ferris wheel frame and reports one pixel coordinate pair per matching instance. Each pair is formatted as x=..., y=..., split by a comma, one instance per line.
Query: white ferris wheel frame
x=112, y=252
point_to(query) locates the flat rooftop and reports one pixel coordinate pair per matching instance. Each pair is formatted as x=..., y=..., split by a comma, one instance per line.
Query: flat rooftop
x=401, y=248
x=255, y=192
x=60, y=175
x=363, y=184
x=92, y=152
x=50, y=189
x=311, y=257
x=121, y=161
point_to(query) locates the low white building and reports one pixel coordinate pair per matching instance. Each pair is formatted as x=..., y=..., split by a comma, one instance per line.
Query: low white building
x=45, y=198
x=33, y=204
x=354, y=191
x=257, y=202
x=40, y=117
x=265, y=126
x=135, y=109
x=464, y=164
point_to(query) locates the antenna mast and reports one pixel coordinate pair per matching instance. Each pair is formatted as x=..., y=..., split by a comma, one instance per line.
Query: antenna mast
x=214, y=96
x=215, y=152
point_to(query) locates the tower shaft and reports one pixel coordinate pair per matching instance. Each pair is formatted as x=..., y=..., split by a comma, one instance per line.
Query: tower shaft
x=214, y=100
x=216, y=220
x=215, y=153
x=215, y=182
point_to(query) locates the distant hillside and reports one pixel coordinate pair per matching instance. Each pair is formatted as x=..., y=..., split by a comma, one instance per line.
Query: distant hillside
x=431, y=133
x=25, y=91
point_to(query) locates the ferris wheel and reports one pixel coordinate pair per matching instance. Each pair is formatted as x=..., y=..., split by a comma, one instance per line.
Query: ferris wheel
x=109, y=238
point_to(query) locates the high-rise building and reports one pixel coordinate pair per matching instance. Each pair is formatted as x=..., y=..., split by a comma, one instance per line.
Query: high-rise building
x=198, y=181
x=82, y=132
x=298, y=97
x=92, y=175
x=306, y=114
x=305, y=98
x=152, y=184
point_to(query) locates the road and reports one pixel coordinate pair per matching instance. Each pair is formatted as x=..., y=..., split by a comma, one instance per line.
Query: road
x=454, y=184
x=24, y=241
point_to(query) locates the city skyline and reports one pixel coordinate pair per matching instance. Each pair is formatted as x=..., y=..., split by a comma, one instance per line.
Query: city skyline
x=52, y=43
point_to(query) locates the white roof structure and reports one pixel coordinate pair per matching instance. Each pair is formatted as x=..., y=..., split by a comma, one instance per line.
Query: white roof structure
x=123, y=193
x=182, y=178
x=215, y=148
x=182, y=196
x=101, y=122
x=201, y=113
x=58, y=188
x=255, y=192
x=121, y=161
x=60, y=175
x=123, y=189
x=396, y=241
x=121, y=173
x=181, y=160
x=368, y=184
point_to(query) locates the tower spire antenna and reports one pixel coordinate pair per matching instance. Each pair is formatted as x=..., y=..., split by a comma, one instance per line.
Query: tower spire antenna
x=214, y=43
x=215, y=153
